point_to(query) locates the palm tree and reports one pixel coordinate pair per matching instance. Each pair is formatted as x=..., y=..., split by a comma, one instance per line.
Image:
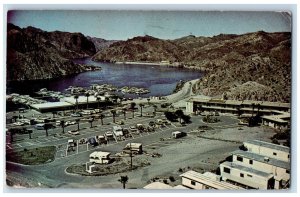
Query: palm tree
x=91, y=120
x=76, y=98
x=102, y=116
x=62, y=124
x=148, y=99
x=141, y=106
x=132, y=107
x=113, y=112
x=98, y=100
x=53, y=114
x=29, y=131
x=253, y=105
x=124, y=113
x=123, y=180
x=154, y=109
x=77, y=121
x=239, y=112
x=12, y=132
x=258, y=108
x=87, y=99
x=47, y=126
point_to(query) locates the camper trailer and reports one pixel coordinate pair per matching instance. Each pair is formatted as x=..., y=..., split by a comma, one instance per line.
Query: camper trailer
x=135, y=148
x=100, y=157
x=178, y=134
x=118, y=131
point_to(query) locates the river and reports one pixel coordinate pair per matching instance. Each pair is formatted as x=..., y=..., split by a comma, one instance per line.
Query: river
x=160, y=80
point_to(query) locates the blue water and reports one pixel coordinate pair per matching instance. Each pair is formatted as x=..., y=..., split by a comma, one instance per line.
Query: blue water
x=160, y=80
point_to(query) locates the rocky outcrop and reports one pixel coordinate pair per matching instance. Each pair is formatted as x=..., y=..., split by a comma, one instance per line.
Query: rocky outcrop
x=35, y=54
x=101, y=44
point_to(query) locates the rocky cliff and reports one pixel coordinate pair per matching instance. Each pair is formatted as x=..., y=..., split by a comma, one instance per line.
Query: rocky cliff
x=250, y=66
x=101, y=44
x=36, y=54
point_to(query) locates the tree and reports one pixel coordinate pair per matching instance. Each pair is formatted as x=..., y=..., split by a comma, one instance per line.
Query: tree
x=102, y=116
x=76, y=98
x=141, y=106
x=53, y=114
x=124, y=113
x=123, y=180
x=47, y=126
x=253, y=106
x=15, y=118
x=87, y=99
x=77, y=121
x=91, y=120
x=148, y=99
x=113, y=112
x=12, y=132
x=29, y=131
x=179, y=113
x=132, y=107
x=62, y=124
x=154, y=109
x=98, y=100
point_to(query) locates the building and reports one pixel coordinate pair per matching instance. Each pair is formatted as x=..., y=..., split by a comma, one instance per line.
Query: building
x=268, y=149
x=196, y=180
x=195, y=105
x=279, y=169
x=100, y=157
x=262, y=166
x=83, y=101
x=279, y=121
x=246, y=177
x=52, y=106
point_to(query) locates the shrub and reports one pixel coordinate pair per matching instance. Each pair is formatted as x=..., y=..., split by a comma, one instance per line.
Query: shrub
x=172, y=179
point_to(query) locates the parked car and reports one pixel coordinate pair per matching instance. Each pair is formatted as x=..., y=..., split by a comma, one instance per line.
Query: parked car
x=73, y=132
x=120, y=122
x=19, y=123
x=92, y=141
x=151, y=123
x=76, y=115
x=133, y=129
x=82, y=141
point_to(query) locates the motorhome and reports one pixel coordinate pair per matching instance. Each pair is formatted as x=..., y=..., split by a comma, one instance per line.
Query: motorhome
x=100, y=157
x=178, y=134
x=118, y=131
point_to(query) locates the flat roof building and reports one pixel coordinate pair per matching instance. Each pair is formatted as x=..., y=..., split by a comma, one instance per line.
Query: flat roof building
x=196, y=180
x=51, y=106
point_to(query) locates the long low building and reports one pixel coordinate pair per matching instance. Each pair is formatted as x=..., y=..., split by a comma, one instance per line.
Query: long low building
x=52, y=106
x=231, y=106
x=196, y=180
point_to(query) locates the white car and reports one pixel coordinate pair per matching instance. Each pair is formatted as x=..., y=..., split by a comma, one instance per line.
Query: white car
x=73, y=132
x=18, y=123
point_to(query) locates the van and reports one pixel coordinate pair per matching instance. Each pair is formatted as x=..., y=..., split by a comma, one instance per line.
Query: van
x=118, y=131
x=178, y=134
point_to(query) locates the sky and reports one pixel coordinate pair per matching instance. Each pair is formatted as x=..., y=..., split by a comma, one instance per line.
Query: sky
x=121, y=25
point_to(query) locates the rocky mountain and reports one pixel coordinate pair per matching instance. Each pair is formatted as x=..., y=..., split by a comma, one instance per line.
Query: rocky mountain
x=101, y=44
x=36, y=54
x=250, y=66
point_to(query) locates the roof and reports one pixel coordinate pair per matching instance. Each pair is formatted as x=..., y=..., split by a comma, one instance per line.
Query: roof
x=50, y=105
x=180, y=187
x=134, y=145
x=269, y=145
x=261, y=158
x=201, y=178
x=99, y=154
x=237, y=102
x=157, y=185
x=82, y=99
x=246, y=169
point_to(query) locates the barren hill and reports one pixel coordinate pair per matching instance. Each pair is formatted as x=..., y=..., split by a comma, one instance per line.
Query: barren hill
x=231, y=62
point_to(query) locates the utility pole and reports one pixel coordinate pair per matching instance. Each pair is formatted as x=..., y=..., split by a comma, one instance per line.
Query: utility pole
x=130, y=157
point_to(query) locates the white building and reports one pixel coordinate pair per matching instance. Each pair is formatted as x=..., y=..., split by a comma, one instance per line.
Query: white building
x=246, y=176
x=100, y=157
x=279, y=169
x=268, y=149
x=196, y=180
